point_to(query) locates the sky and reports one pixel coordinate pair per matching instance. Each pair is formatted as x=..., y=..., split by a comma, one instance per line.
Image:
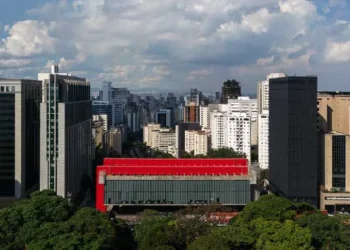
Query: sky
x=175, y=45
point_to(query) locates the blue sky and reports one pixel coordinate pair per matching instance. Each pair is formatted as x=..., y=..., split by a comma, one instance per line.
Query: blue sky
x=177, y=44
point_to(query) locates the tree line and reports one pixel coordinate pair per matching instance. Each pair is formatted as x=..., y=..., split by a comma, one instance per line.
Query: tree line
x=47, y=221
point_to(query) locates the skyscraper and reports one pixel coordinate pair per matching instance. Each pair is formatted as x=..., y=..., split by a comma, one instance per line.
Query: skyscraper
x=263, y=119
x=293, y=137
x=231, y=89
x=192, y=104
x=19, y=136
x=65, y=126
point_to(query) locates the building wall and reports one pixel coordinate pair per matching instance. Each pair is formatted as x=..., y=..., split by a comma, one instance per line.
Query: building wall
x=236, y=134
x=180, y=135
x=293, y=137
x=204, y=117
x=217, y=125
x=196, y=142
x=333, y=112
x=263, y=139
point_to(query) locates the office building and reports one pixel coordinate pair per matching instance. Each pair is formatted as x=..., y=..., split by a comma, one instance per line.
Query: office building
x=163, y=117
x=19, y=136
x=65, y=126
x=231, y=89
x=204, y=120
x=334, y=111
x=197, y=142
x=133, y=118
x=180, y=135
x=104, y=108
x=171, y=100
x=293, y=139
x=236, y=133
x=163, y=139
x=192, y=104
x=103, y=118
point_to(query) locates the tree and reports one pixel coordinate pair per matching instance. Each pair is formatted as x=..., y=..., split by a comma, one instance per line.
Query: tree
x=209, y=243
x=268, y=207
x=47, y=221
x=277, y=235
x=224, y=153
x=326, y=231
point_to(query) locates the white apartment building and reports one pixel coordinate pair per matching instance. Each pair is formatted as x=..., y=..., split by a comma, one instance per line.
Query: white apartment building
x=263, y=119
x=250, y=107
x=147, y=133
x=264, y=139
x=197, y=142
x=204, y=116
x=263, y=91
x=163, y=139
x=217, y=122
x=237, y=133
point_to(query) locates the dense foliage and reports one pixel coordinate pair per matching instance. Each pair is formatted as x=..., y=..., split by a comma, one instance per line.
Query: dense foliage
x=47, y=221
x=269, y=223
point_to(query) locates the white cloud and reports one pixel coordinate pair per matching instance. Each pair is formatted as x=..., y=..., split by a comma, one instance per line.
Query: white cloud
x=14, y=63
x=338, y=52
x=30, y=37
x=168, y=43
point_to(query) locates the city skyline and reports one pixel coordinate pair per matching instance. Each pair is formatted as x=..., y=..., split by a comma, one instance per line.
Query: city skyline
x=184, y=44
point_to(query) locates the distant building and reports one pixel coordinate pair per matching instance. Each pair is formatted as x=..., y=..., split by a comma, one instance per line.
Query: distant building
x=197, y=142
x=263, y=119
x=103, y=118
x=217, y=127
x=115, y=140
x=164, y=117
x=147, y=133
x=19, y=136
x=65, y=126
x=231, y=89
x=249, y=107
x=133, y=118
x=180, y=135
x=104, y=108
x=204, y=120
x=192, y=104
x=293, y=138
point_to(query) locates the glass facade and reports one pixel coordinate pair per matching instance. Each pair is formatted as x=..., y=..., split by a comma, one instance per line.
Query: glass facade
x=235, y=192
x=7, y=144
x=338, y=161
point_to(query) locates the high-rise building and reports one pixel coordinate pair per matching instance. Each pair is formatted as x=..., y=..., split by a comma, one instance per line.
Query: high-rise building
x=293, y=138
x=163, y=117
x=171, y=100
x=65, y=126
x=334, y=111
x=115, y=140
x=180, y=135
x=217, y=127
x=204, y=120
x=19, y=136
x=104, y=108
x=192, y=104
x=197, y=142
x=231, y=89
x=106, y=91
x=217, y=97
x=133, y=118
x=103, y=118
x=263, y=91
x=263, y=119
x=147, y=133
x=243, y=104
x=263, y=146
x=237, y=133
x=163, y=139
x=334, y=152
